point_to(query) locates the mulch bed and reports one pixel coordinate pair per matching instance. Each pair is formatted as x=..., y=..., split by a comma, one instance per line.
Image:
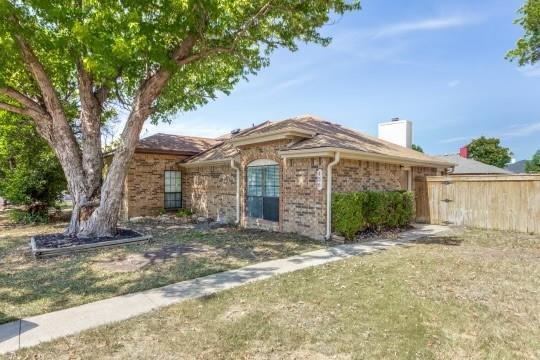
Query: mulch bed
x=59, y=244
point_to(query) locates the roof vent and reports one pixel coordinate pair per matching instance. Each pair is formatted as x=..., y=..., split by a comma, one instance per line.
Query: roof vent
x=235, y=131
x=395, y=119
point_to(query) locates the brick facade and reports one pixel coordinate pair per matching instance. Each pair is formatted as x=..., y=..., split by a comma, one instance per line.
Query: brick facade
x=357, y=175
x=210, y=191
x=145, y=184
x=304, y=211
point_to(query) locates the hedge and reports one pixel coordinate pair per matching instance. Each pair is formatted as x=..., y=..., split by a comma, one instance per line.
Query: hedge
x=357, y=211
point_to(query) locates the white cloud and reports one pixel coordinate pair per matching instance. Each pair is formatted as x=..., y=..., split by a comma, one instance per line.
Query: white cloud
x=455, y=139
x=530, y=71
x=189, y=127
x=385, y=43
x=523, y=130
x=290, y=83
x=398, y=29
x=520, y=130
x=454, y=83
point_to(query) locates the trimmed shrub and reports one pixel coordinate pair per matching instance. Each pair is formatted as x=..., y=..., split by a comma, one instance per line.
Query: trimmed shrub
x=348, y=213
x=376, y=210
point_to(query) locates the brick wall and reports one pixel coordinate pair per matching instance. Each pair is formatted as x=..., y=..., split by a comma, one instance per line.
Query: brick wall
x=145, y=183
x=210, y=191
x=357, y=175
x=304, y=209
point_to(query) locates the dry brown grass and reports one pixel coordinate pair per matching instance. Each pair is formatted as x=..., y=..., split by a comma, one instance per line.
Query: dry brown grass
x=469, y=294
x=30, y=287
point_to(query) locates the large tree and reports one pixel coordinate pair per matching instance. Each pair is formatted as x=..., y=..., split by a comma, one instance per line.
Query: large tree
x=489, y=151
x=527, y=50
x=66, y=64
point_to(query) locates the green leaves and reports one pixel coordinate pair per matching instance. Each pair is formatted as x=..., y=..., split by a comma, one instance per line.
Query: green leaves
x=489, y=151
x=356, y=211
x=533, y=166
x=527, y=50
x=121, y=43
x=29, y=170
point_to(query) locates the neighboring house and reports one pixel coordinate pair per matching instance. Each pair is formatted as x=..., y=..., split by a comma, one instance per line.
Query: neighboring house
x=275, y=176
x=517, y=168
x=466, y=166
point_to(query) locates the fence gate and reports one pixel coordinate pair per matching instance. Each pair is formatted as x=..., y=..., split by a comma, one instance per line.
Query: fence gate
x=421, y=199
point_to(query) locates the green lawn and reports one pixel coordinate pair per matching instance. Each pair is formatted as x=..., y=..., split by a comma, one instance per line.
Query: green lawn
x=469, y=294
x=30, y=287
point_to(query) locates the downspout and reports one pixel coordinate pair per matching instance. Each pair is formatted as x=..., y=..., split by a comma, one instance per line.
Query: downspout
x=233, y=166
x=337, y=157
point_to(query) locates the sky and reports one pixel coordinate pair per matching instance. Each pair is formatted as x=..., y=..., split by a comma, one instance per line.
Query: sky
x=440, y=64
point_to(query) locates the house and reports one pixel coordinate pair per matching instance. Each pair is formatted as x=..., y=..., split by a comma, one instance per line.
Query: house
x=466, y=166
x=275, y=176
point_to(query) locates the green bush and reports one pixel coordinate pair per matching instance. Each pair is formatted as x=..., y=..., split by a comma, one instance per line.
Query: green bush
x=184, y=213
x=27, y=217
x=376, y=210
x=348, y=213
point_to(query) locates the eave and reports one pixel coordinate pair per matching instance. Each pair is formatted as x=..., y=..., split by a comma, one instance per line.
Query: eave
x=205, y=163
x=362, y=155
x=290, y=133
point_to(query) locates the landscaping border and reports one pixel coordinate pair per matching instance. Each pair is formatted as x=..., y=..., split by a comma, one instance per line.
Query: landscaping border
x=47, y=252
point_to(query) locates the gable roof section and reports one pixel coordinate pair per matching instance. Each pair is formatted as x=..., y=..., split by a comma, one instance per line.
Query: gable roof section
x=471, y=166
x=311, y=135
x=174, y=144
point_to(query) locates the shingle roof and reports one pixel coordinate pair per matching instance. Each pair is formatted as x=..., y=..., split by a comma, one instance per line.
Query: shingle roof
x=471, y=166
x=168, y=143
x=326, y=135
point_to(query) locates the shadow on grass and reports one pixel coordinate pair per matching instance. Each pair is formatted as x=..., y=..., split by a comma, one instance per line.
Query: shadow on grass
x=439, y=240
x=29, y=287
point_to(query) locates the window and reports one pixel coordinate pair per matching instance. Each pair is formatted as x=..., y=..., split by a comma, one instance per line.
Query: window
x=173, y=189
x=263, y=192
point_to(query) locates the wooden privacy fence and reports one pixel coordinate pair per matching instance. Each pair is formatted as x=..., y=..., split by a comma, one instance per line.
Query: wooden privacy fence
x=508, y=202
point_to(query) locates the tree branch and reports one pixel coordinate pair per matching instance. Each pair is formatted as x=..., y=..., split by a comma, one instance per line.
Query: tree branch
x=57, y=132
x=14, y=109
x=22, y=99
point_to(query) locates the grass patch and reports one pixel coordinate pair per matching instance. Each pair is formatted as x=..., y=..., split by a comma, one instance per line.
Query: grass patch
x=468, y=294
x=30, y=287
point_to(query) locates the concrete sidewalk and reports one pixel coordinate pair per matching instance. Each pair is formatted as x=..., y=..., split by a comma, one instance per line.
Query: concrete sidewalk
x=36, y=329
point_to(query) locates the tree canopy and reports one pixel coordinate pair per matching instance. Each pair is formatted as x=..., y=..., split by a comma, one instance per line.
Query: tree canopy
x=489, y=151
x=527, y=50
x=121, y=42
x=533, y=166
x=70, y=65
x=417, y=148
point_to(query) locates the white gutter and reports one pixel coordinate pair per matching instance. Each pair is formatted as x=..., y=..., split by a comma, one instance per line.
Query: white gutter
x=233, y=166
x=363, y=155
x=337, y=157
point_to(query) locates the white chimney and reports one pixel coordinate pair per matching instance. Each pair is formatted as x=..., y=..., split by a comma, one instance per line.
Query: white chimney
x=397, y=131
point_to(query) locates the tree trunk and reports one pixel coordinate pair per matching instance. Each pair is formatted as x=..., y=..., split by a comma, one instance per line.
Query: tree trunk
x=102, y=221
x=90, y=217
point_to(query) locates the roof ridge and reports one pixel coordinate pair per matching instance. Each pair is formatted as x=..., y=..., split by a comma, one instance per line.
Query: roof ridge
x=178, y=135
